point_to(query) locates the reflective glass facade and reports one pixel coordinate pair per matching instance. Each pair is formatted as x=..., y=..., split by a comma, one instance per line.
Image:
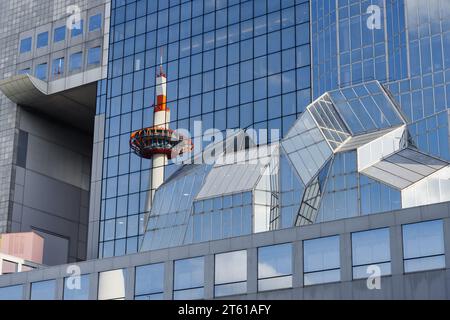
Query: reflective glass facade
x=251, y=64
x=400, y=43
x=230, y=64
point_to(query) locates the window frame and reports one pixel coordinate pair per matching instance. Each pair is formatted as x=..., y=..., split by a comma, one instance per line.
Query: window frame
x=352, y=240
x=219, y=285
x=287, y=276
x=321, y=270
x=92, y=51
x=94, y=25
x=42, y=36
x=418, y=258
x=56, y=33
x=43, y=65
x=24, y=43
x=71, y=68
x=148, y=294
x=188, y=289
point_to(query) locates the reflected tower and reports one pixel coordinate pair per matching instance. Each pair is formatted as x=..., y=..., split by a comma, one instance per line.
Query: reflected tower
x=159, y=142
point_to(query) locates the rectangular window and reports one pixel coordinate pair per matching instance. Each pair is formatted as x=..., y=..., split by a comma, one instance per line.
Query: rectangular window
x=77, y=29
x=25, y=45
x=42, y=40
x=149, y=282
x=43, y=290
x=423, y=246
x=41, y=71
x=76, y=291
x=321, y=260
x=76, y=61
x=95, y=22
x=59, y=34
x=275, y=267
x=58, y=67
x=189, y=279
x=94, y=56
x=11, y=293
x=230, y=275
x=371, y=248
x=111, y=285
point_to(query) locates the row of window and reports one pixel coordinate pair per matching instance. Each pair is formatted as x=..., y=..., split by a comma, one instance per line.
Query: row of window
x=423, y=249
x=59, y=34
x=58, y=64
x=196, y=8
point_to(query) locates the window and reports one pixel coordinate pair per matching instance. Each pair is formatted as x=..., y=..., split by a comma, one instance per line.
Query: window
x=41, y=71
x=75, y=61
x=43, y=290
x=59, y=34
x=77, y=29
x=11, y=293
x=95, y=22
x=189, y=279
x=230, y=275
x=94, y=56
x=321, y=260
x=371, y=248
x=25, y=45
x=275, y=267
x=149, y=282
x=42, y=40
x=76, y=289
x=111, y=285
x=423, y=246
x=58, y=67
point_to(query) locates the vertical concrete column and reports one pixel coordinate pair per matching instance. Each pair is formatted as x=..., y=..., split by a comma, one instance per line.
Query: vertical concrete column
x=59, y=294
x=169, y=276
x=93, y=286
x=129, y=283
x=447, y=241
x=27, y=291
x=297, y=264
x=252, y=270
x=209, y=276
x=346, y=256
x=396, y=249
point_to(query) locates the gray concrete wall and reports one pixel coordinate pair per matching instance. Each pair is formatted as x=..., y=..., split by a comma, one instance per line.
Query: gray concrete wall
x=51, y=187
x=96, y=187
x=419, y=285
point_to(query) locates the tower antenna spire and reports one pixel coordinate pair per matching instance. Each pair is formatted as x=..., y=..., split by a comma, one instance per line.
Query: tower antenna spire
x=161, y=54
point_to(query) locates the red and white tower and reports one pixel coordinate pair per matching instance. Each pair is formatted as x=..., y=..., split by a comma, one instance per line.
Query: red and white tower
x=159, y=142
x=161, y=119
